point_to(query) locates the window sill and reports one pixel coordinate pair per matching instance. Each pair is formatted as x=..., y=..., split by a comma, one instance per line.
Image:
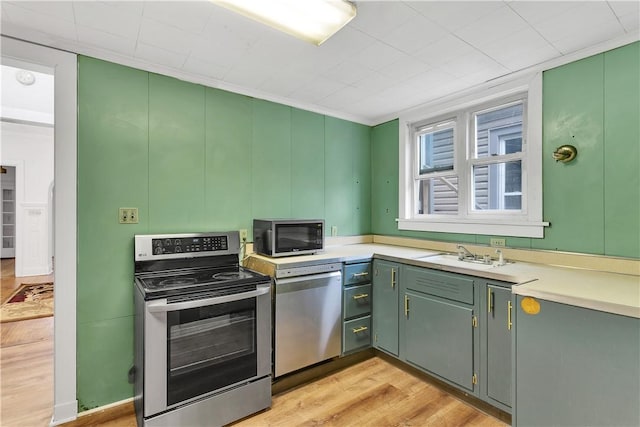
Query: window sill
x=466, y=226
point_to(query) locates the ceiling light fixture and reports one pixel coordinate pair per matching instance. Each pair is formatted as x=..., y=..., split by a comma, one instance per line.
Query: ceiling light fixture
x=310, y=20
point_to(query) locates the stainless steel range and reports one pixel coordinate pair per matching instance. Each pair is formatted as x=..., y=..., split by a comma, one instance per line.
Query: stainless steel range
x=202, y=331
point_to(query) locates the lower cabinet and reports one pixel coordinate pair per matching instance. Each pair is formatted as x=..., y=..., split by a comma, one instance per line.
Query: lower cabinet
x=575, y=366
x=438, y=325
x=356, y=334
x=496, y=325
x=439, y=337
x=455, y=327
x=386, y=276
x=356, y=307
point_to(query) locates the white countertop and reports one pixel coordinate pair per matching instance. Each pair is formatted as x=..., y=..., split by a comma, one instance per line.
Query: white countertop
x=603, y=291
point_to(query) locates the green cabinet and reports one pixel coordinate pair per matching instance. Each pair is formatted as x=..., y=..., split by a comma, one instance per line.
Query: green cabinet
x=438, y=327
x=575, y=366
x=496, y=324
x=385, y=306
x=356, y=306
x=439, y=337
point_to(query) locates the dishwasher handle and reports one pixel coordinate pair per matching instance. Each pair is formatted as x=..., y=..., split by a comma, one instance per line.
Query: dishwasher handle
x=293, y=284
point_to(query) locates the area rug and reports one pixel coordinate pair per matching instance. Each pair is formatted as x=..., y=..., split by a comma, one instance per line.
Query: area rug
x=29, y=301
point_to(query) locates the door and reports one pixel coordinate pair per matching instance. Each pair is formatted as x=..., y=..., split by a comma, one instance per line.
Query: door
x=8, y=195
x=498, y=344
x=385, y=306
x=439, y=337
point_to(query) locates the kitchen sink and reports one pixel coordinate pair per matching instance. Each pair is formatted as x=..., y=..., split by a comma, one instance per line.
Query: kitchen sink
x=453, y=261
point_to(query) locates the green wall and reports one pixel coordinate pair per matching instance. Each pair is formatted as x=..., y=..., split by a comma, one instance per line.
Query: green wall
x=592, y=203
x=190, y=158
x=193, y=158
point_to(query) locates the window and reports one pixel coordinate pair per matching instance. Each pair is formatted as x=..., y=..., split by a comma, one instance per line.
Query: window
x=474, y=166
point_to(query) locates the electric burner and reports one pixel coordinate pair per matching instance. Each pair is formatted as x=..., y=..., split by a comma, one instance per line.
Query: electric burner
x=177, y=281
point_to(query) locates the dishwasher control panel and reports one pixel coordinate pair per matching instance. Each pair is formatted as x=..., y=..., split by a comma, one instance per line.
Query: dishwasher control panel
x=307, y=270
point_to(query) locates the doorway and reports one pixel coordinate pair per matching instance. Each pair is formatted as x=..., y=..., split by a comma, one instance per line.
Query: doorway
x=26, y=175
x=8, y=206
x=63, y=66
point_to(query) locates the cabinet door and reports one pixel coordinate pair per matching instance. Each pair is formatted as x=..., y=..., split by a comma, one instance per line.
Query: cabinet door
x=498, y=344
x=575, y=366
x=439, y=337
x=385, y=306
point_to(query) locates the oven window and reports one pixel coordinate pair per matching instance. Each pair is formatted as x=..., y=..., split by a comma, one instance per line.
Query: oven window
x=209, y=348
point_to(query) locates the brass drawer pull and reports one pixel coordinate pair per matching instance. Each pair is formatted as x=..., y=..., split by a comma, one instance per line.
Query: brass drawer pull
x=364, y=273
x=509, y=323
x=360, y=329
x=360, y=296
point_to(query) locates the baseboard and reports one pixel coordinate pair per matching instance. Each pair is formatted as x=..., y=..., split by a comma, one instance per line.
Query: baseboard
x=103, y=414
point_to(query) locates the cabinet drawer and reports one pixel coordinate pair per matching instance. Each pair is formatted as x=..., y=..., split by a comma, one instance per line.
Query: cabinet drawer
x=356, y=334
x=442, y=284
x=357, y=273
x=357, y=301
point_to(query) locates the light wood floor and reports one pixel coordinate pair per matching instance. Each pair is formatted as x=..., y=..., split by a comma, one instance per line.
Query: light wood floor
x=371, y=393
x=26, y=361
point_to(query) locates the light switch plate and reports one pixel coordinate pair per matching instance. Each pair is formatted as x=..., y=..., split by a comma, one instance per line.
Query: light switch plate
x=128, y=215
x=243, y=235
x=334, y=230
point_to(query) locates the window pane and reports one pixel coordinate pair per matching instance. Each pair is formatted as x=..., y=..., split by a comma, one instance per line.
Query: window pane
x=435, y=151
x=438, y=195
x=499, y=132
x=498, y=186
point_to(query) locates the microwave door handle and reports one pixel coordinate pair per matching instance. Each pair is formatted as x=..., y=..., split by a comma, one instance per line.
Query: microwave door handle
x=162, y=306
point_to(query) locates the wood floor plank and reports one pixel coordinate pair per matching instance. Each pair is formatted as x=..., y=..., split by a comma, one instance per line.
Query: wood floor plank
x=372, y=393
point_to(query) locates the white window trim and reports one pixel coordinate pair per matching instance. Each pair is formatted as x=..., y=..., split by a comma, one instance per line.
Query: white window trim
x=526, y=223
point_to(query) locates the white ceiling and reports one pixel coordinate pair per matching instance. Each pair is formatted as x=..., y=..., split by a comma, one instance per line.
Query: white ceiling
x=393, y=56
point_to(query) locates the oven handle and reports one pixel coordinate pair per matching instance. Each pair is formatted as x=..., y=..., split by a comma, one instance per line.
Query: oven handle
x=162, y=306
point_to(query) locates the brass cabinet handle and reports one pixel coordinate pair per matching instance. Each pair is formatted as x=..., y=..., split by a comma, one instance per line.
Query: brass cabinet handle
x=360, y=296
x=488, y=300
x=393, y=278
x=360, y=329
x=364, y=273
x=509, y=323
x=406, y=306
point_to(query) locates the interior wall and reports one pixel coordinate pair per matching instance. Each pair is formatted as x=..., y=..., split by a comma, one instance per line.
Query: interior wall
x=190, y=158
x=32, y=148
x=592, y=203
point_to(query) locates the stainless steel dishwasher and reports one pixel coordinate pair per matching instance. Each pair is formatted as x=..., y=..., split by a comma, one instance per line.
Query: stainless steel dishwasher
x=308, y=313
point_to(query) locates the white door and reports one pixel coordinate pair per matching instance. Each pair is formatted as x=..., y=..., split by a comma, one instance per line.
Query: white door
x=8, y=199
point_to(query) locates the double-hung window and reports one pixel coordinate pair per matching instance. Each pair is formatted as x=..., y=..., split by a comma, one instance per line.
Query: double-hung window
x=474, y=168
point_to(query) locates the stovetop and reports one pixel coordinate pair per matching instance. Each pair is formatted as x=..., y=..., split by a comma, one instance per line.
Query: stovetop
x=160, y=284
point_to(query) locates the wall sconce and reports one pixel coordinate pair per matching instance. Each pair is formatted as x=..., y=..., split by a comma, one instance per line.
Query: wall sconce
x=565, y=153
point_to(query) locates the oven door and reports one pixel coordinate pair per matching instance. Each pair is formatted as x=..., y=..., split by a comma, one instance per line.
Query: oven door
x=204, y=344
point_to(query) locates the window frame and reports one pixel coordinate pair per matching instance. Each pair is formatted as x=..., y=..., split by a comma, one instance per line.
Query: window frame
x=526, y=222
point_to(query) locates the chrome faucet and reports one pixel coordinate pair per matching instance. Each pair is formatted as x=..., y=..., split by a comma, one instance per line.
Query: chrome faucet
x=464, y=253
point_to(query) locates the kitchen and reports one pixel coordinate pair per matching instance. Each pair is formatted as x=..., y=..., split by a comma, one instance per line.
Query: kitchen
x=275, y=160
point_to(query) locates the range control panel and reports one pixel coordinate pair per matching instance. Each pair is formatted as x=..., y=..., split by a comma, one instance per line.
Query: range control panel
x=189, y=244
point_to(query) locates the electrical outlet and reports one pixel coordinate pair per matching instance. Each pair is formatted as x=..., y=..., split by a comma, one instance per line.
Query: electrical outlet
x=499, y=243
x=128, y=215
x=243, y=235
x=334, y=230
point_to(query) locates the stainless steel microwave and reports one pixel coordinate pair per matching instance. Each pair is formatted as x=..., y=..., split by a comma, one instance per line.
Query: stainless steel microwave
x=286, y=237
